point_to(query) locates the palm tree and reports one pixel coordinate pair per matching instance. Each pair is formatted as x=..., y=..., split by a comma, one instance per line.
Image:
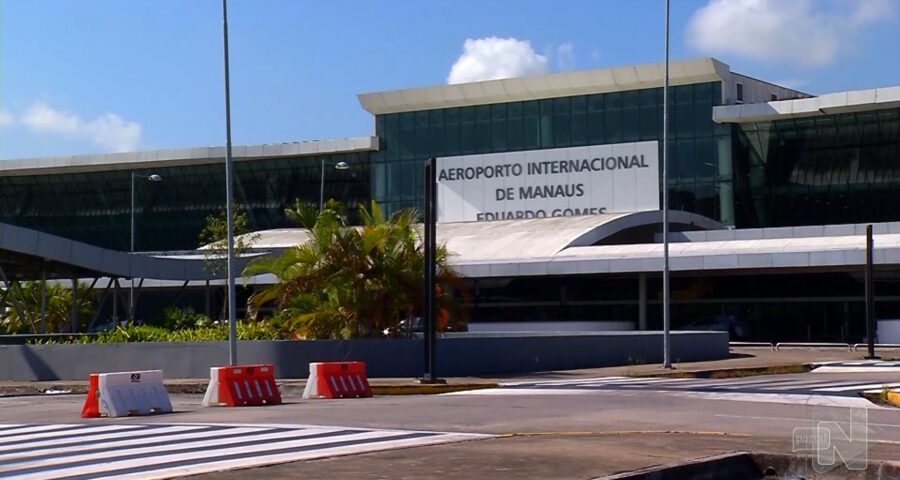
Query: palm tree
x=353, y=281
x=23, y=307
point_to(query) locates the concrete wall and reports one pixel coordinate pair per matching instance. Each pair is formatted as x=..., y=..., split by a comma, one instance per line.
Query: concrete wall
x=484, y=354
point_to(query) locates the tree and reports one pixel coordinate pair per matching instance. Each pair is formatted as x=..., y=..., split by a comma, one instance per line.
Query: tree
x=22, y=306
x=353, y=281
x=214, y=238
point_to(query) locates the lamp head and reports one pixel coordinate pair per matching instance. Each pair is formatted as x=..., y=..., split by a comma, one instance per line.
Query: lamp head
x=341, y=166
x=154, y=178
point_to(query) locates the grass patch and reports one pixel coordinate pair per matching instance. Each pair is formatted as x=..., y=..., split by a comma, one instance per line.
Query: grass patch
x=740, y=372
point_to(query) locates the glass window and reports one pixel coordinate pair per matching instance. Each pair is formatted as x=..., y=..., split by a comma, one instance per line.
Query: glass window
x=531, y=126
x=612, y=119
x=436, y=134
x=407, y=139
x=451, y=131
x=630, y=116
x=562, y=122
x=392, y=137
x=516, y=140
x=596, y=130
x=467, y=131
x=483, y=128
x=422, y=150
x=650, y=116
x=579, y=120
x=499, y=127
x=546, y=126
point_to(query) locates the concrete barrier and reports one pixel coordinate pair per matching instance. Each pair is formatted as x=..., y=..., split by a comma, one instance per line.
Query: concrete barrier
x=482, y=354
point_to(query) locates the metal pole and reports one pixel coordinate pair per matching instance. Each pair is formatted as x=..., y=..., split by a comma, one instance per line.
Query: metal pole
x=229, y=207
x=322, y=187
x=131, y=279
x=74, y=305
x=667, y=346
x=870, y=293
x=43, y=300
x=430, y=249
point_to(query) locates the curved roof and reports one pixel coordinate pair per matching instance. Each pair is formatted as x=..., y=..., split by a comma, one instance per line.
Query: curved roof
x=24, y=253
x=521, y=239
x=544, y=237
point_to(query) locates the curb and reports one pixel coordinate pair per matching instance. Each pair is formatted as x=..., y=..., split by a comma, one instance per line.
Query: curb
x=289, y=387
x=893, y=398
x=736, y=372
x=429, y=389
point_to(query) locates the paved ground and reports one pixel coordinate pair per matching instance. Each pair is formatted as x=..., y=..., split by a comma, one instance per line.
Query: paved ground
x=557, y=425
x=573, y=432
x=741, y=358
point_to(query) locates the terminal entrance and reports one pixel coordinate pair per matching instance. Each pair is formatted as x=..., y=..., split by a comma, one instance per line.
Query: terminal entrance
x=789, y=307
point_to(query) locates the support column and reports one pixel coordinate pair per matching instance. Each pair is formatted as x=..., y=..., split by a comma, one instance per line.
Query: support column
x=642, y=301
x=74, y=305
x=206, y=294
x=43, y=301
x=115, y=312
x=725, y=181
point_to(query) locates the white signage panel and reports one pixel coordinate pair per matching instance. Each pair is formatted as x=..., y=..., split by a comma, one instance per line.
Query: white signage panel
x=590, y=180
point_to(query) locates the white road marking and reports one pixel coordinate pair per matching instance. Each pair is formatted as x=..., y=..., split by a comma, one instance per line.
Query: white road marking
x=794, y=419
x=857, y=387
x=169, y=450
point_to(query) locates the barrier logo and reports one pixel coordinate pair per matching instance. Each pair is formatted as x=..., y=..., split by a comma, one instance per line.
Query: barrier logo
x=835, y=434
x=135, y=378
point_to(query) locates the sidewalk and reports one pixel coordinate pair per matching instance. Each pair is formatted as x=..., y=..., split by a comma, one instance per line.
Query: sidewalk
x=748, y=360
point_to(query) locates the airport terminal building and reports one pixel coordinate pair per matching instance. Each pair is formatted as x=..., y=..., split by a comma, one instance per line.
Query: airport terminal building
x=549, y=195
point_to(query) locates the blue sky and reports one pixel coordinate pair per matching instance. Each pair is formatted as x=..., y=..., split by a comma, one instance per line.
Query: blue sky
x=110, y=75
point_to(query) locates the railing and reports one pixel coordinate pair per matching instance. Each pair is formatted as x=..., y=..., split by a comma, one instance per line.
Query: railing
x=857, y=346
x=752, y=345
x=779, y=346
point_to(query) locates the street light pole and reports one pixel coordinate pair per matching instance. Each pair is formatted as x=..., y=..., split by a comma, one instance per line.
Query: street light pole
x=153, y=178
x=667, y=336
x=337, y=166
x=229, y=204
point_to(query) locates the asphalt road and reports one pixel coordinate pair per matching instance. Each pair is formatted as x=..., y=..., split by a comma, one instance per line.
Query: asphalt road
x=580, y=432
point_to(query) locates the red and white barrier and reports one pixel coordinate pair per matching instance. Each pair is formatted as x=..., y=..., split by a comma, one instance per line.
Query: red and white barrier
x=121, y=394
x=337, y=380
x=241, y=385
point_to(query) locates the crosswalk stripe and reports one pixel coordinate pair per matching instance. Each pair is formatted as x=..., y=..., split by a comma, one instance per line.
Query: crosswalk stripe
x=93, y=469
x=70, y=432
x=857, y=387
x=661, y=381
x=199, y=446
x=167, y=450
x=276, y=458
x=101, y=443
x=812, y=385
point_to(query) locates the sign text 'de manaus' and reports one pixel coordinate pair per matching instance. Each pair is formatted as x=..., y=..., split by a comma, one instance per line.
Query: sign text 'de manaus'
x=557, y=182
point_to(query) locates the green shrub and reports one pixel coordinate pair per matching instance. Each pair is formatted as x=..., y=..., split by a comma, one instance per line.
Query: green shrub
x=150, y=333
x=174, y=318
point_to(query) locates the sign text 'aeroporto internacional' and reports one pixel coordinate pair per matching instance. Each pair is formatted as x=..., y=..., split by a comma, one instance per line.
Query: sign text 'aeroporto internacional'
x=560, y=182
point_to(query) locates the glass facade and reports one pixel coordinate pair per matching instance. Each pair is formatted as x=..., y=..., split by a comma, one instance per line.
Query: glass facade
x=767, y=307
x=842, y=168
x=95, y=207
x=700, y=168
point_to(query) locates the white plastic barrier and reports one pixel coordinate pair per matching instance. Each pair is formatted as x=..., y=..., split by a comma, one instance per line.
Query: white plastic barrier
x=133, y=393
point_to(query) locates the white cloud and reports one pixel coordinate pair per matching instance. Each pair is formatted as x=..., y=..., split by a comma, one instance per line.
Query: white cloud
x=565, y=56
x=6, y=118
x=871, y=11
x=492, y=58
x=109, y=130
x=810, y=32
